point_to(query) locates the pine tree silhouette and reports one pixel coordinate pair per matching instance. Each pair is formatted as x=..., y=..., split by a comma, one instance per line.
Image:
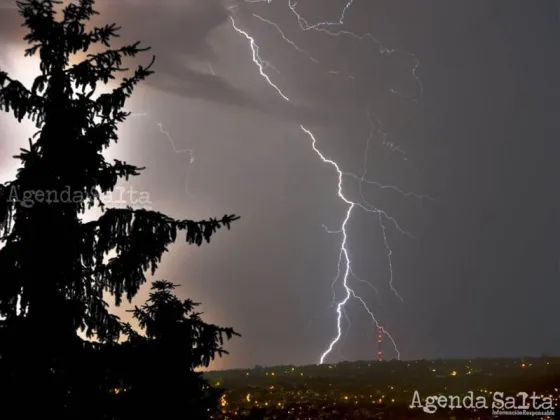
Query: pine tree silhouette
x=175, y=344
x=53, y=271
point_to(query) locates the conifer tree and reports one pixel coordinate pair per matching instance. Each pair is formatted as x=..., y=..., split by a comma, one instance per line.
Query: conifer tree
x=53, y=267
x=176, y=342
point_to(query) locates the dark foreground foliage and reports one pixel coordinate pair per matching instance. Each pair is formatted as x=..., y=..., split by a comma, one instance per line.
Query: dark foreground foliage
x=54, y=269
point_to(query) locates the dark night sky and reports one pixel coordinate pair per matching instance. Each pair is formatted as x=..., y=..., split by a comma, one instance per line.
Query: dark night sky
x=482, y=139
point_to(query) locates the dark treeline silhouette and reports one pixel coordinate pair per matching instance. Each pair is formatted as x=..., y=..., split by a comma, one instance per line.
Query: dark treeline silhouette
x=54, y=269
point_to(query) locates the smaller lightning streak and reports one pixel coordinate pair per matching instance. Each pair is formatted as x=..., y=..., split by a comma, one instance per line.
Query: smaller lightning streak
x=377, y=324
x=211, y=69
x=257, y=60
x=340, y=20
x=168, y=135
x=320, y=27
x=392, y=146
x=177, y=151
x=289, y=41
x=345, y=335
x=297, y=47
x=381, y=214
x=371, y=286
x=364, y=180
x=189, y=152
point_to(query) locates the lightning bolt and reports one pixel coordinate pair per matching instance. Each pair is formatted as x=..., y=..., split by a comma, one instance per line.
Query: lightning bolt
x=344, y=254
x=344, y=270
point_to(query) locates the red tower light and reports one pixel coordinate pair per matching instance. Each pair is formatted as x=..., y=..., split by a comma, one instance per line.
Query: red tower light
x=379, y=343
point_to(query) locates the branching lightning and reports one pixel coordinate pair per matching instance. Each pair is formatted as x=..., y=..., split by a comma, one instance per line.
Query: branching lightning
x=344, y=254
x=323, y=27
x=344, y=272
